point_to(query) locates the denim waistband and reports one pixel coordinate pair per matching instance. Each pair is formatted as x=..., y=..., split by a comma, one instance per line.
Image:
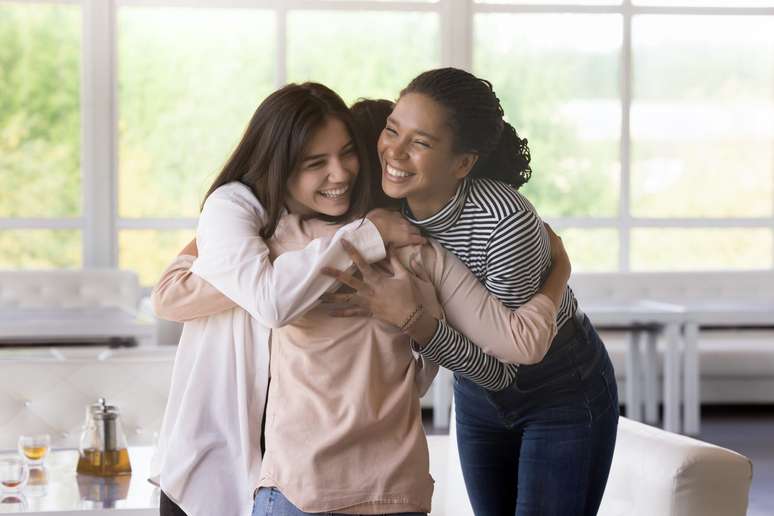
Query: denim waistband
x=576, y=349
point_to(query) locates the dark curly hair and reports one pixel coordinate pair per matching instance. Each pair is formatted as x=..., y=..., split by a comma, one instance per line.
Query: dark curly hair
x=476, y=118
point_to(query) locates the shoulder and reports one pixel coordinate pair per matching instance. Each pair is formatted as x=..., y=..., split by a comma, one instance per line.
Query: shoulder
x=498, y=200
x=237, y=195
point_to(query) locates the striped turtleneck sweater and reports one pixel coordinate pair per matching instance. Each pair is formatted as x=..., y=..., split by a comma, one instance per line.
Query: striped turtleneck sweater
x=496, y=232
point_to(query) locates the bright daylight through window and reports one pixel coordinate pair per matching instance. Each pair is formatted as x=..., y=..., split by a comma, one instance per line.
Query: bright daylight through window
x=649, y=122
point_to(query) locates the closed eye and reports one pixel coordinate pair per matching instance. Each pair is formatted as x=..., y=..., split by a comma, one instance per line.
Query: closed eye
x=315, y=164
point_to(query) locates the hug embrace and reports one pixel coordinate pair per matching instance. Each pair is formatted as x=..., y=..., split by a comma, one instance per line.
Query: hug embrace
x=343, y=255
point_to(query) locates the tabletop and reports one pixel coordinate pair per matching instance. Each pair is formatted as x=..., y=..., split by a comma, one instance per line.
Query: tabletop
x=57, y=489
x=625, y=313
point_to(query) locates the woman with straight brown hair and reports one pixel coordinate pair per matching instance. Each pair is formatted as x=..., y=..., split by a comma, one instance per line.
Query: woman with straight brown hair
x=210, y=436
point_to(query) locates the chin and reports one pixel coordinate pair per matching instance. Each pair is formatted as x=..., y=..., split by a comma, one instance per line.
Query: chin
x=334, y=211
x=392, y=190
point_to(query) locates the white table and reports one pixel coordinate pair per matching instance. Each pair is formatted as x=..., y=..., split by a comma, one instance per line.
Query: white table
x=708, y=313
x=73, y=324
x=58, y=490
x=649, y=318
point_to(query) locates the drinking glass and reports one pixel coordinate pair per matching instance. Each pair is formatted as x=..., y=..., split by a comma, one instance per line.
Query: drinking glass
x=34, y=448
x=14, y=473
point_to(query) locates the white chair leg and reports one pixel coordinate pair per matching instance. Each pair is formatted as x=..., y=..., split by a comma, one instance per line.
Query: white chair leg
x=650, y=370
x=633, y=376
x=672, y=379
x=692, y=401
x=442, y=398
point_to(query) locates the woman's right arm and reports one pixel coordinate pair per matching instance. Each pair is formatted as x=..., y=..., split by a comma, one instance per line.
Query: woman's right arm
x=235, y=260
x=475, y=315
x=181, y=296
x=472, y=312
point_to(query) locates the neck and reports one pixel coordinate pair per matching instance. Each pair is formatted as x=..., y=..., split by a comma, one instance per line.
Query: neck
x=425, y=206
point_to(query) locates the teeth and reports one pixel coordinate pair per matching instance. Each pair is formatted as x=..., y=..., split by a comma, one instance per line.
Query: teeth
x=332, y=194
x=397, y=173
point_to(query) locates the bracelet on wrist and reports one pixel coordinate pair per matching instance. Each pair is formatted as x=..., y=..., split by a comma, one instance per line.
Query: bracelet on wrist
x=412, y=319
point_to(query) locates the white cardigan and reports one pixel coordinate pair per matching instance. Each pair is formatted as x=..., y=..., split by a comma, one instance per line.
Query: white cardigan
x=208, y=453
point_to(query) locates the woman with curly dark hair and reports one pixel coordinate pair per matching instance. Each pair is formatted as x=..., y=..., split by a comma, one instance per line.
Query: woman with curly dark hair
x=540, y=439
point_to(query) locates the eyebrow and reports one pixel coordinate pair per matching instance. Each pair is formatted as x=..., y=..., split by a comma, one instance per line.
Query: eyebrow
x=418, y=131
x=319, y=156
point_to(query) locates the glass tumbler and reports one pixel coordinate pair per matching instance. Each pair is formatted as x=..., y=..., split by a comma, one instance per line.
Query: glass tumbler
x=34, y=448
x=14, y=474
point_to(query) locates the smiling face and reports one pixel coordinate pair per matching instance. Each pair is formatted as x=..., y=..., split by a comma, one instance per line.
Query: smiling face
x=417, y=155
x=323, y=181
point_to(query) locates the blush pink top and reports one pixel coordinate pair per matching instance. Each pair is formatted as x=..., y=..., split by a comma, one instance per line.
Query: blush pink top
x=343, y=425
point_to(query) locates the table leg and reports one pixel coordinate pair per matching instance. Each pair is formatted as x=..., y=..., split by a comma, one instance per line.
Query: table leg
x=650, y=370
x=692, y=401
x=633, y=375
x=672, y=378
x=442, y=398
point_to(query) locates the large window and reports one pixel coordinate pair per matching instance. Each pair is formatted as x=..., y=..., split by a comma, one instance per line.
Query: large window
x=40, y=165
x=188, y=81
x=650, y=122
x=650, y=125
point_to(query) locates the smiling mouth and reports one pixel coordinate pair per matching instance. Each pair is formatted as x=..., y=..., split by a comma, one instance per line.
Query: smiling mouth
x=396, y=173
x=335, y=193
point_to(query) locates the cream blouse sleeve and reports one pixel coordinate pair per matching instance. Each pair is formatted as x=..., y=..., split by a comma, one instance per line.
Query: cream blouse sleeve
x=235, y=260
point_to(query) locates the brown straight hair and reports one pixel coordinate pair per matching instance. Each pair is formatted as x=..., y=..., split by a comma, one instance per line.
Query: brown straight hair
x=371, y=117
x=272, y=146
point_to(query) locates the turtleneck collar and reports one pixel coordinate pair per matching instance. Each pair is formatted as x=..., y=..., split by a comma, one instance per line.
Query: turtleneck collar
x=446, y=217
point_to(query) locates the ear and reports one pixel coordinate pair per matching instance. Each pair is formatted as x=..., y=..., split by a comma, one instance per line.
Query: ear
x=464, y=164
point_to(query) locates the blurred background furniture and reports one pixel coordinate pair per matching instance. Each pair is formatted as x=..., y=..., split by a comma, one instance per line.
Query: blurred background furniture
x=72, y=307
x=725, y=352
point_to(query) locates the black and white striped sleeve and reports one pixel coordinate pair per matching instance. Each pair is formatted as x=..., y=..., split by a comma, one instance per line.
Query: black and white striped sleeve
x=517, y=256
x=452, y=350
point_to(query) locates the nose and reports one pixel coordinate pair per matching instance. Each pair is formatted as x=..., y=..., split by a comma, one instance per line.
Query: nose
x=338, y=172
x=396, y=150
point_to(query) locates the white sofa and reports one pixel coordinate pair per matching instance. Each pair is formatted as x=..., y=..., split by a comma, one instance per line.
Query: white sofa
x=72, y=306
x=654, y=473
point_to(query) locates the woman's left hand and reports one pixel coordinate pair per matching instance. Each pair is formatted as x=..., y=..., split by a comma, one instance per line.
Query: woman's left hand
x=391, y=299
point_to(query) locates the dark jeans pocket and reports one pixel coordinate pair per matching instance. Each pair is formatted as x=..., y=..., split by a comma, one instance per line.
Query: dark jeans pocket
x=602, y=390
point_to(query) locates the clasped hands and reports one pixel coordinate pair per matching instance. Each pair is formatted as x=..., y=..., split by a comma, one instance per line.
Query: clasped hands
x=391, y=298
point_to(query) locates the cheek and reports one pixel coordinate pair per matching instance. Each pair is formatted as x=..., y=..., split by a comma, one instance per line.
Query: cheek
x=433, y=169
x=381, y=143
x=302, y=186
x=352, y=163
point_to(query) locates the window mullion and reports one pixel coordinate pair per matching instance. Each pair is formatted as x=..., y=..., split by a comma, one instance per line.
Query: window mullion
x=281, y=54
x=624, y=207
x=98, y=129
x=457, y=34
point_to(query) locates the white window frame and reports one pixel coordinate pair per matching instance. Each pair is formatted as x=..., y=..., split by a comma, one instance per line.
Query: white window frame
x=100, y=223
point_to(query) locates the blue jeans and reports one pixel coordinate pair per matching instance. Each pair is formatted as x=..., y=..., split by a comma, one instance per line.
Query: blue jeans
x=270, y=502
x=542, y=446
